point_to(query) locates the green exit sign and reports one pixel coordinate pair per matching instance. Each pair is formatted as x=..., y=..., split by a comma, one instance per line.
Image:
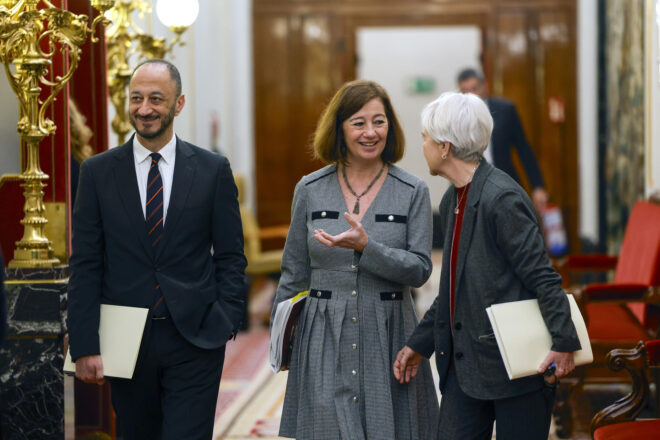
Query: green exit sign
x=421, y=85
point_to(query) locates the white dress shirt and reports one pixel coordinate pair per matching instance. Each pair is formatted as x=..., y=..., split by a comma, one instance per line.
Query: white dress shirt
x=165, y=166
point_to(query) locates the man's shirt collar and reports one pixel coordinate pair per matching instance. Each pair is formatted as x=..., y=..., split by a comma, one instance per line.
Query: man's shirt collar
x=167, y=152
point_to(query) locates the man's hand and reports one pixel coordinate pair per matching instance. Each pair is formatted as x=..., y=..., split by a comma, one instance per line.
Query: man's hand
x=563, y=363
x=355, y=238
x=90, y=369
x=406, y=364
x=540, y=200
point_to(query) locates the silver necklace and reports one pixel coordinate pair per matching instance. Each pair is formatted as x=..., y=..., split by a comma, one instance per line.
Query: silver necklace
x=356, y=207
x=458, y=201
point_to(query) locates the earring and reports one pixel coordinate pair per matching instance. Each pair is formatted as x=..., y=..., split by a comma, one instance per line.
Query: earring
x=444, y=156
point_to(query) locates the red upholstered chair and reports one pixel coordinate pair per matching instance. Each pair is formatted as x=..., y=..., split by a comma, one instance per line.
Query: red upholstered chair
x=621, y=312
x=617, y=421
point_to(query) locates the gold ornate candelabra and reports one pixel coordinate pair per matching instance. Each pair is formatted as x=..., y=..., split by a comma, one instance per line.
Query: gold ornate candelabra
x=120, y=37
x=29, y=39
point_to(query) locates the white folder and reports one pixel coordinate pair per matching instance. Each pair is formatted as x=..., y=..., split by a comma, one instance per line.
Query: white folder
x=120, y=335
x=524, y=340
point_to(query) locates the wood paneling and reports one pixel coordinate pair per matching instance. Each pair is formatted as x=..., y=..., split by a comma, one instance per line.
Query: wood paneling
x=529, y=57
x=295, y=75
x=273, y=94
x=535, y=64
x=556, y=140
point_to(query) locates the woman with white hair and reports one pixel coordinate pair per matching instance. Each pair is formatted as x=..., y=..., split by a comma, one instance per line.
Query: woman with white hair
x=493, y=253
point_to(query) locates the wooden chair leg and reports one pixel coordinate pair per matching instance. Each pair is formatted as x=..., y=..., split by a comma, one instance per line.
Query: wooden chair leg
x=563, y=413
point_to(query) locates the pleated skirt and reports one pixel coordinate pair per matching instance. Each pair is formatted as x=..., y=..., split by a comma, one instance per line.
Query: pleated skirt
x=341, y=383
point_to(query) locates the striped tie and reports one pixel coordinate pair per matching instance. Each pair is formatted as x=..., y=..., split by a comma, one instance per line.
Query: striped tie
x=154, y=209
x=155, y=222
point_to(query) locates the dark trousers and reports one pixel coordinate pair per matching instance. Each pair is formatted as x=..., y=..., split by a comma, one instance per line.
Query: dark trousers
x=521, y=417
x=174, y=390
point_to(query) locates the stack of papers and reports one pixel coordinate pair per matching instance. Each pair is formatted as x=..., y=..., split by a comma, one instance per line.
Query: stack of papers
x=524, y=340
x=283, y=329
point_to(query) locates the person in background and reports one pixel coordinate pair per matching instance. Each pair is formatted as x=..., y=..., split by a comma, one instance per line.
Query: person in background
x=360, y=237
x=80, y=135
x=507, y=134
x=156, y=224
x=493, y=253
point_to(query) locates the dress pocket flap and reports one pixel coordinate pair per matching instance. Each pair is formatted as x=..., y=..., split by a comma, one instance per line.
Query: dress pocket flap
x=391, y=218
x=320, y=294
x=325, y=215
x=391, y=296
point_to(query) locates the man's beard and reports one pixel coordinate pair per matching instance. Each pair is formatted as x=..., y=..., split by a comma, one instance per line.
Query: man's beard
x=165, y=122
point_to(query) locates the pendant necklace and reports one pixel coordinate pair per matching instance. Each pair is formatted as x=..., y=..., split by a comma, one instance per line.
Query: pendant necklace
x=356, y=207
x=458, y=200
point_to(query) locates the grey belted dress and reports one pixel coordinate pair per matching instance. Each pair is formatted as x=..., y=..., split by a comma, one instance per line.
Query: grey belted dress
x=358, y=315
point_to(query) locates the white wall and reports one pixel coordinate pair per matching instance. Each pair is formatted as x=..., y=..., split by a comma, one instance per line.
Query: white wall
x=392, y=56
x=10, y=158
x=653, y=97
x=587, y=53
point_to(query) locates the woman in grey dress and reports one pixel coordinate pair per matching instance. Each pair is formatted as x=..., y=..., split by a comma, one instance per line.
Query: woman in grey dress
x=359, y=268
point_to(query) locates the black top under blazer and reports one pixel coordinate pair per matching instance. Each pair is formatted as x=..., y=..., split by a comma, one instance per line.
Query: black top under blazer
x=501, y=258
x=199, y=263
x=508, y=133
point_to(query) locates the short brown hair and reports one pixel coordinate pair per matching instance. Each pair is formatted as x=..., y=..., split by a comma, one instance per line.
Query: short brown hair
x=329, y=144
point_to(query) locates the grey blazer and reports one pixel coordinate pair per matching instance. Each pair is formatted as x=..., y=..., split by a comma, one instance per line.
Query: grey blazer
x=501, y=258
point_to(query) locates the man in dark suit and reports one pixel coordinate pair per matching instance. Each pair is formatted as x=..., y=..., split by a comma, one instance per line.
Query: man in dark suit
x=156, y=224
x=507, y=133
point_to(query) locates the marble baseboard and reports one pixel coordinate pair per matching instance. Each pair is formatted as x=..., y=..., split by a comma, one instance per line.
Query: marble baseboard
x=31, y=378
x=32, y=389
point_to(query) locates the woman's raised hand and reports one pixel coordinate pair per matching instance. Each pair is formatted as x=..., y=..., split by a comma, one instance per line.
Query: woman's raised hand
x=355, y=238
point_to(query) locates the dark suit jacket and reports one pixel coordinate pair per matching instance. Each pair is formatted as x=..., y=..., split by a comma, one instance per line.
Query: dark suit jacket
x=199, y=262
x=3, y=302
x=508, y=133
x=501, y=258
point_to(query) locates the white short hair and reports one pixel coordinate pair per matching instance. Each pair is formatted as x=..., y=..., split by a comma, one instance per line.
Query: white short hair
x=463, y=119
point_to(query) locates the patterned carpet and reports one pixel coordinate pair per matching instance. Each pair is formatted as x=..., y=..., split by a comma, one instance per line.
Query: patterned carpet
x=245, y=373
x=260, y=418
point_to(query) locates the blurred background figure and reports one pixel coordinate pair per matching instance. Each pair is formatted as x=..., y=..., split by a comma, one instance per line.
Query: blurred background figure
x=507, y=134
x=80, y=134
